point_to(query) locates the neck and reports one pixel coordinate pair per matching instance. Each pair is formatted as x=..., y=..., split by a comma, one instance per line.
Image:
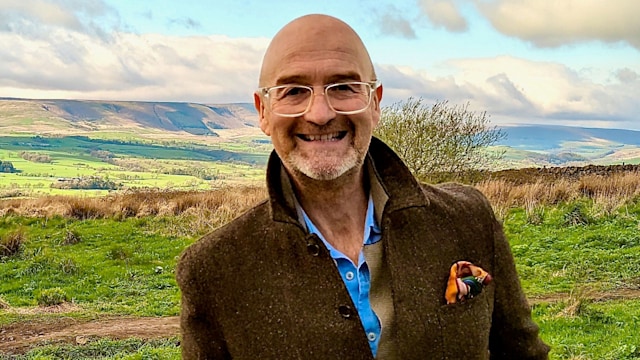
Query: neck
x=337, y=208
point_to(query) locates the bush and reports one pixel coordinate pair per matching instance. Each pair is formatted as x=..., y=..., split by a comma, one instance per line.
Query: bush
x=53, y=296
x=7, y=167
x=35, y=157
x=576, y=216
x=71, y=238
x=441, y=142
x=12, y=243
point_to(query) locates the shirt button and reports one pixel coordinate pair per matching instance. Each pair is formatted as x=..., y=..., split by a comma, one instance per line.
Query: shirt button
x=349, y=275
x=372, y=336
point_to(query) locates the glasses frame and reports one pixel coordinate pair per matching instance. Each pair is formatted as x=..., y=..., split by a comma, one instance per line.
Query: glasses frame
x=373, y=85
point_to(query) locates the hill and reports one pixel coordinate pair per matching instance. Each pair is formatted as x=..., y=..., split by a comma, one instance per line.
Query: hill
x=82, y=116
x=555, y=145
x=524, y=146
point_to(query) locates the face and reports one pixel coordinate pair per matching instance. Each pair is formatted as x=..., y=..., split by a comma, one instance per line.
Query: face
x=319, y=144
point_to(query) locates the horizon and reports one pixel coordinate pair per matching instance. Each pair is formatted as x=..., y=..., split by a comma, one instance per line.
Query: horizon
x=558, y=64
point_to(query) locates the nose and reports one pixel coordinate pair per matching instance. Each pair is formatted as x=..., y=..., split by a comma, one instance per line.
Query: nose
x=319, y=111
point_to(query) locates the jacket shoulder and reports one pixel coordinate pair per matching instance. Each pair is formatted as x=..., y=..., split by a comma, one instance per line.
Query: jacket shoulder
x=230, y=240
x=458, y=198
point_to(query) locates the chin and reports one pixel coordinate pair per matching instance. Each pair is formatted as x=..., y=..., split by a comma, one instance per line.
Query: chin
x=326, y=169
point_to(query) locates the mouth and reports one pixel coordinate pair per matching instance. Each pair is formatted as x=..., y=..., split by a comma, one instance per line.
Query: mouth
x=335, y=136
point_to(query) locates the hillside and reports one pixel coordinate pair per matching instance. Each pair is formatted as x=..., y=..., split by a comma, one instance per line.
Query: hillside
x=524, y=146
x=82, y=116
x=554, y=145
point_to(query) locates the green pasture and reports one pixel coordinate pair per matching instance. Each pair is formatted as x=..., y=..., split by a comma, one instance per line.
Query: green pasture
x=168, y=166
x=564, y=254
x=576, y=245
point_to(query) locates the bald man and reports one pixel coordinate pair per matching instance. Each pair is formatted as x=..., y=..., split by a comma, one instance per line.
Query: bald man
x=349, y=257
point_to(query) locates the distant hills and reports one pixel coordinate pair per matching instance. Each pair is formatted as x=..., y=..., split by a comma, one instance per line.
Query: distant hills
x=525, y=145
x=52, y=116
x=566, y=145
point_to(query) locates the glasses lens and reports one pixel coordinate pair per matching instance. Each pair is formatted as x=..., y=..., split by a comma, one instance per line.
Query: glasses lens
x=289, y=99
x=349, y=97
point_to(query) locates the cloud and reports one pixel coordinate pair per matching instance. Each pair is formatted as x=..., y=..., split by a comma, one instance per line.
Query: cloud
x=35, y=18
x=627, y=75
x=444, y=13
x=141, y=67
x=392, y=21
x=187, y=23
x=520, y=90
x=556, y=23
x=395, y=24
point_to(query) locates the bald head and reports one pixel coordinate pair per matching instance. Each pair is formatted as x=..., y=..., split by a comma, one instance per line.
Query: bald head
x=322, y=35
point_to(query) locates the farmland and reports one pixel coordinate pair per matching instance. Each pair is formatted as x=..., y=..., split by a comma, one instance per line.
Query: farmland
x=108, y=263
x=135, y=163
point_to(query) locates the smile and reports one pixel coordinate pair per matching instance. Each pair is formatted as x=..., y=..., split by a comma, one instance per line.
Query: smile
x=336, y=136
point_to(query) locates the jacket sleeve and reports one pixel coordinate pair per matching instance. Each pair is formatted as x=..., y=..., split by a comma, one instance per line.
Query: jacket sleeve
x=513, y=335
x=202, y=337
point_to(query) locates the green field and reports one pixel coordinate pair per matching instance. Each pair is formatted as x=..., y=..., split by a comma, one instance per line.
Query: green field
x=576, y=263
x=132, y=163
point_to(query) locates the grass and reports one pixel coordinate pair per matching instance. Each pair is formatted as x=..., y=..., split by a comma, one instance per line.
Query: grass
x=118, y=267
x=129, y=349
x=136, y=163
x=116, y=255
x=554, y=256
x=600, y=331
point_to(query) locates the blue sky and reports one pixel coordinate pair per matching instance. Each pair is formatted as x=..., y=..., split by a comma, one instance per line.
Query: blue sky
x=565, y=62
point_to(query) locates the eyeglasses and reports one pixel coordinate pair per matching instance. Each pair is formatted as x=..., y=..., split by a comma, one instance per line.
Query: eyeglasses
x=346, y=98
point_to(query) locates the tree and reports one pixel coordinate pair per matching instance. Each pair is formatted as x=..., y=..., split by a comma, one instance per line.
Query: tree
x=439, y=143
x=7, y=167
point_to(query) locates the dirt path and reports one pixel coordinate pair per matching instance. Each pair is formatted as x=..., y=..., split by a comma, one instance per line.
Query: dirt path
x=17, y=338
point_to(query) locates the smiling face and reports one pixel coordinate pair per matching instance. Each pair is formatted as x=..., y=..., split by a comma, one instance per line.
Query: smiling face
x=316, y=50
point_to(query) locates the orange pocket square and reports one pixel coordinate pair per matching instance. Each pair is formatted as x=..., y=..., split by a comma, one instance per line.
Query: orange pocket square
x=465, y=281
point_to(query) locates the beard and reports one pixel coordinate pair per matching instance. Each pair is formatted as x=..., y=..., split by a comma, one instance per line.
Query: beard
x=325, y=165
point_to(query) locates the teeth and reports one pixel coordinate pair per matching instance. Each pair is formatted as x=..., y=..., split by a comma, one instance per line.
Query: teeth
x=324, y=137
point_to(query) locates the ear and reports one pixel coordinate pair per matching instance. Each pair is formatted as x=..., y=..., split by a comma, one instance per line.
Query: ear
x=259, y=105
x=376, y=105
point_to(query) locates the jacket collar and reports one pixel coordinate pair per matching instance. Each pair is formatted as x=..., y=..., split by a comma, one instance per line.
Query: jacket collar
x=392, y=184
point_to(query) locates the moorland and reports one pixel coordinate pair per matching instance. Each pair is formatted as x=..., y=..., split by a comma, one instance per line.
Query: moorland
x=89, y=272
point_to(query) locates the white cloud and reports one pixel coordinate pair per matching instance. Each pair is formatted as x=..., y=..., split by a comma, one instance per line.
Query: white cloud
x=546, y=23
x=554, y=23
x=444, y=13
x=66, y=61
x=519, y=90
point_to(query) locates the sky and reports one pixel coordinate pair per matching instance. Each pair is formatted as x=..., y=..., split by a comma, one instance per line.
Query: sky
x=562, y=62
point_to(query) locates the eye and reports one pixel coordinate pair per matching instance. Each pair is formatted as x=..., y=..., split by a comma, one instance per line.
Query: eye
x=294, y=91
x=345, y=87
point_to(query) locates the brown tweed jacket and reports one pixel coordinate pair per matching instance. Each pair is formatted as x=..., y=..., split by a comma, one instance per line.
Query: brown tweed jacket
x=260, y=287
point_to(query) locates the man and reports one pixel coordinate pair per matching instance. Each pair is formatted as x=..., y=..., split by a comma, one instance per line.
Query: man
x=349, y=257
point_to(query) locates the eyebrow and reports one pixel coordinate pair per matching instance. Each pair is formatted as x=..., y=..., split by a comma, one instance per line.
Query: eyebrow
x=304, y=80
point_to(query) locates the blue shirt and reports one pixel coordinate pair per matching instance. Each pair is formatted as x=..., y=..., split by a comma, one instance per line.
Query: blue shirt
x=357, y=278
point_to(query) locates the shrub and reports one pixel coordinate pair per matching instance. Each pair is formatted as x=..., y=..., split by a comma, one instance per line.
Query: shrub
x=575, y=216
x=35, y=157
x=12, y=243
x=53, y=296
x=441, y=142
x=83, y=209
x=71, y=238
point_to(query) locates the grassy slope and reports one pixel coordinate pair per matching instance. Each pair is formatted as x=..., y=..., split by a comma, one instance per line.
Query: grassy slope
x=126, y=267
x=72, y=157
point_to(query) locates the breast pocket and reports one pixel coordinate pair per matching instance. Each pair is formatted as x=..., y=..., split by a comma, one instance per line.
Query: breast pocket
x=466, y=325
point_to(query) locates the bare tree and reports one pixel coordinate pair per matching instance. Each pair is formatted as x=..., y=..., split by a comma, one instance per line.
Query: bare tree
x=442, y=142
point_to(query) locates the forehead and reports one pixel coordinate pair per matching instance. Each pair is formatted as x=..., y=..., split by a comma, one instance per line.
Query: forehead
x=315, y=52
x=317, y=66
